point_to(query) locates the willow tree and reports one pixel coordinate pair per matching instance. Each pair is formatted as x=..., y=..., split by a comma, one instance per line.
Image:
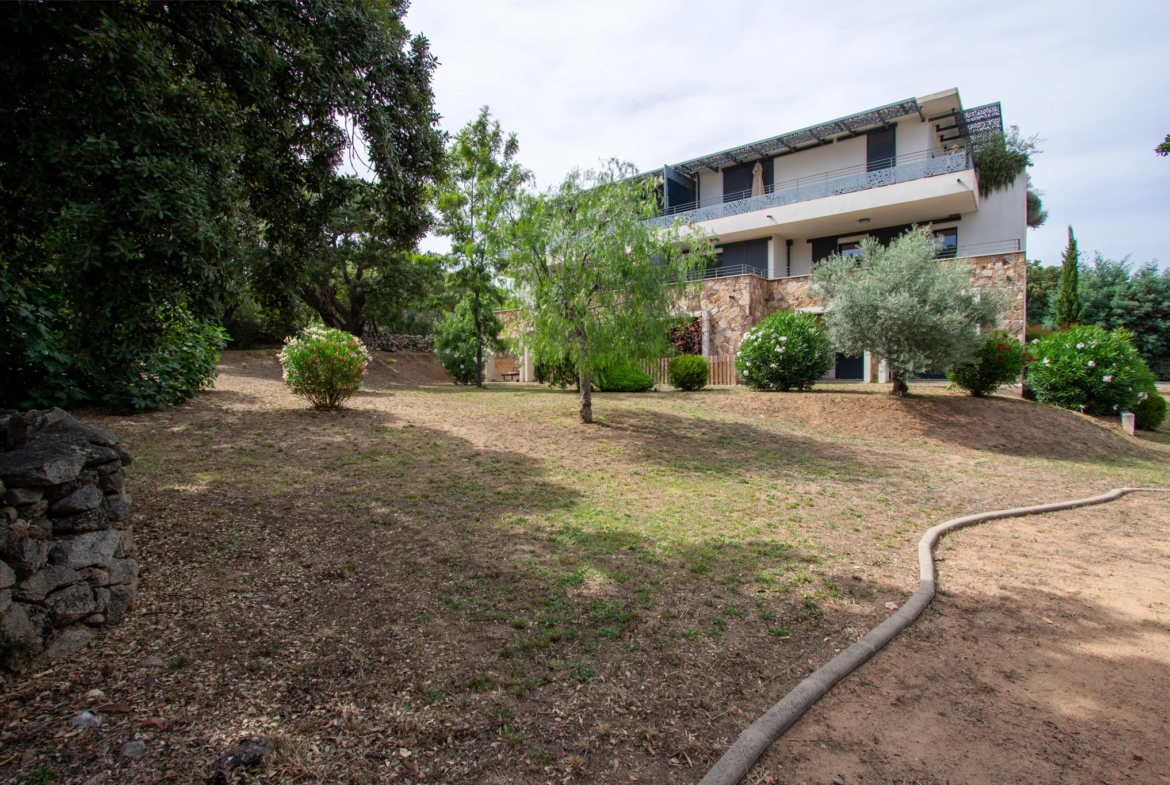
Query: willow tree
x=903, y=305
x=597, y=280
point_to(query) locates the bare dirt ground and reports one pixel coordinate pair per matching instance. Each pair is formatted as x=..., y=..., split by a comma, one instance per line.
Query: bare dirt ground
x=450, y=585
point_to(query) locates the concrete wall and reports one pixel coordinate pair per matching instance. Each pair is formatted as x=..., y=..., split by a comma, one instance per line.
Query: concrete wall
x=1002, y=216
x=913, y=136
x=710, y=187
x=818, y=160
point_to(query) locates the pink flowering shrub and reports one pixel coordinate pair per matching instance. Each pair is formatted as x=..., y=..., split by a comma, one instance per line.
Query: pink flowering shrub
x=1090, y=370
x=324, y=365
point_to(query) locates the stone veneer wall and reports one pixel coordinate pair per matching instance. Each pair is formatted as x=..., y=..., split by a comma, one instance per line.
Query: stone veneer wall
x=387, y=342
x=66, y=543
x=734, y=305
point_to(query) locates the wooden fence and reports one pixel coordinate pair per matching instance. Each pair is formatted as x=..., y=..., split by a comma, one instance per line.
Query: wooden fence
x=722, y=370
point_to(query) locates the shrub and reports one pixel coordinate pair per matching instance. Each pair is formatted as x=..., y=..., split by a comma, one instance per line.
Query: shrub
x=689, y=372
x=1150, y=411
x=624, y=378
x=456, y=341
x=560, y=373
x=687, y=337
x=1035, y=331
x=786, y=351
x=1000, y=361
x=1089, y=369
x=324, y=365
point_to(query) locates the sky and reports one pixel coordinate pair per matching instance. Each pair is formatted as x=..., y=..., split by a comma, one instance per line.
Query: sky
x=662, y=82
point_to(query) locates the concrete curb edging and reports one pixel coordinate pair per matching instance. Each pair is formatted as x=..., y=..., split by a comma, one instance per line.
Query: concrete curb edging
x=751, y=744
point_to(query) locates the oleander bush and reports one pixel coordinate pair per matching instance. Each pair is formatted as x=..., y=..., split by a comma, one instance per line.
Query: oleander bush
x=1088, y=369
x=623, y=378
x=1000, y=361
x=687, y=337
x=689, y=372
x=1151, y=410
x=324, y=365
x=786, y=351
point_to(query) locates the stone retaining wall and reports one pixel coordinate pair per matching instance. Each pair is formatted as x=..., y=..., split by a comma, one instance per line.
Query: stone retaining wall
x=398, y=343
x=66, y=542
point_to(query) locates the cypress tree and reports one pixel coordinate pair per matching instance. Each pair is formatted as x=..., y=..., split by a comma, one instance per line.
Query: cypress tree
x=1068, y=302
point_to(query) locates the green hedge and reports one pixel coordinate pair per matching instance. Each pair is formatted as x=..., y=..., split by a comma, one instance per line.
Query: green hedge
x=623, y=378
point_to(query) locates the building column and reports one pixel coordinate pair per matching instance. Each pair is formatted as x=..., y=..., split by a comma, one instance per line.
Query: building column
x=867, y=370
x=883, y=372
x=706, y=333
x=526, y=372
x=489, y=368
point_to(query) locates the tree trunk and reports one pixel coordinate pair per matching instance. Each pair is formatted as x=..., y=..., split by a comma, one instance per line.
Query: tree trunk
x=478, y=345
x=899, y=389
x=586, y=398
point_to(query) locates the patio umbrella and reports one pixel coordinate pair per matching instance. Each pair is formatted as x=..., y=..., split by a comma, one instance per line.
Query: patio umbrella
x=758, y=179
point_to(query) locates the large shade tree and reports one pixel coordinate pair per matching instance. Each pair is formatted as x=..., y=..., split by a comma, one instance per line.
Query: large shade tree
x=597, y=281
x=903, y=305
x=140, y=145
x=477, y=200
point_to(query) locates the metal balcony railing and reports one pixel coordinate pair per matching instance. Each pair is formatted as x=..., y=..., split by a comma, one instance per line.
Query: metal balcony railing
x=874, y=174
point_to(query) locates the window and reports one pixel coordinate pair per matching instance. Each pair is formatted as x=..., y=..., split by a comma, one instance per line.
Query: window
x=849, y=249
x=946, y=243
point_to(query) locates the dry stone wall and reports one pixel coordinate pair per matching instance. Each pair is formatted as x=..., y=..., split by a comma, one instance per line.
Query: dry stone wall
x=66, y=543
x=398, y=343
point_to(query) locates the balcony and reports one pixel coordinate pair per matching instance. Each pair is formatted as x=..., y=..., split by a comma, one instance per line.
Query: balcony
x=850, y=179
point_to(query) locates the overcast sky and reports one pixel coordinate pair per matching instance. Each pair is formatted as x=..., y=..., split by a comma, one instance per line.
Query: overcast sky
x=662, y=82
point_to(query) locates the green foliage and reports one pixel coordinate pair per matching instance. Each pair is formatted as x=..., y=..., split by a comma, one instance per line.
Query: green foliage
x=1164, y=148
x=786, y=351
x=1068, y=305
x=557, y=373
x=1043, y=284
x=624, y=378
x=999, y=361
x=325, y=365
x=1089, y=369
x=905, y=306
x=477, y=201
x=595, y=279
x=1036, y=214
x=1113, y=295
x=1150, y=412
x=145, y=144
x=1000, y=159
x=360, y=273
x=689, y=372
x=459, y=343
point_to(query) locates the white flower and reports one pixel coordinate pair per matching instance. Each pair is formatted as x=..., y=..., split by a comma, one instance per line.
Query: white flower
x=1092, y=364
x=739, y=354
x=783, y=337
x=1035, y=340
x=748, y=363
x=745, y=373
x=1080, y=346
x=773, y=365
x=1114, y=407
x=781, y=351
x=1107, y=379
x=1046, y=361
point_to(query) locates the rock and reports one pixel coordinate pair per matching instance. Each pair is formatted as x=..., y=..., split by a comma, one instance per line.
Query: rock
x=52, y=453
x=133, y=749
x=70, y=604
x=93, y=696
x=94, y=620
x=152, y=662
x=118, y=508
x=122, y=599
x=128, y=547
x=109, y=467
x=8, y=514
x=838, y=780
x=55, y=492
x=26, y=556
x=70, y=641
x=85, y=498
x=86, y=720
x=40, y=529
x=5, y=599
x=18, y=497
x=250, y=751
x=113, y=482
x=30, y=511
x=96, y=576
x=22, y=637
x=82, y=522
x=101, y=599
x=49, y=579
x=7, y=576
x=48, y=467
x=95, y=549
x=123, y=571
x=19, y=529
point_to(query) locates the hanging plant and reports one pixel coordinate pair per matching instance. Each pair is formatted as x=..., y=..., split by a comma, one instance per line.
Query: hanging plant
x=1001, y=158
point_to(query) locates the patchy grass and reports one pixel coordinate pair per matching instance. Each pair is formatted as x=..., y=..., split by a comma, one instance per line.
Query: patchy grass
x=477, y=579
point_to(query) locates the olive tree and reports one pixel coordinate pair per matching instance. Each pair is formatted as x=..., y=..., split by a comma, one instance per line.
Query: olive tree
x=596, y=279
x=905, y=306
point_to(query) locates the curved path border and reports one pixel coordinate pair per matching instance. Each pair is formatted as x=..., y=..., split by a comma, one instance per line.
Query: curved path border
x=752, y=743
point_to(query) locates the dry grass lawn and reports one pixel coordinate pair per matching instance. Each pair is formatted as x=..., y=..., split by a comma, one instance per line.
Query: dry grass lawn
x=442, y=584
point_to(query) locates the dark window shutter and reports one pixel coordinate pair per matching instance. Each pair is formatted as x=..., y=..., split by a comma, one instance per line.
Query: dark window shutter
x=737, y=180
x=749, y=253
x=880, y=149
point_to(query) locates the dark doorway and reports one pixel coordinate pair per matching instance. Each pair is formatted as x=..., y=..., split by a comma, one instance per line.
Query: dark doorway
x=880, y=149
x=850, y=368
